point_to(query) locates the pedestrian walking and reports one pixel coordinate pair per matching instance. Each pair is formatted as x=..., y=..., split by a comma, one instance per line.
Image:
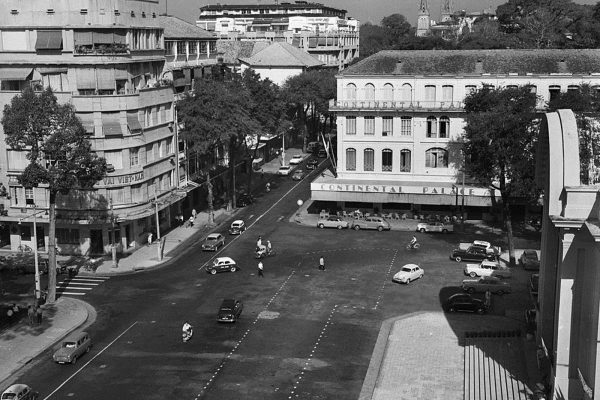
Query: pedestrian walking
x=259, y=243
x=260, y=269
x=194, y=214
x=322, y=263
x=150, y=239
x=31, y=315
x=191, y=221
x=38, y=315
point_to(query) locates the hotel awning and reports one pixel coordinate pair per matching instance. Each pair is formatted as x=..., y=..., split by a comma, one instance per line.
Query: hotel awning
x=15, y=74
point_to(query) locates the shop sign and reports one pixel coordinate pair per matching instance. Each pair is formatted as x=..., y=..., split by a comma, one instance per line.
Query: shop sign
x=404, y=189
x=123, y=179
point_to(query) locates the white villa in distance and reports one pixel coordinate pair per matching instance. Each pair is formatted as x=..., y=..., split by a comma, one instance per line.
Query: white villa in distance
x=400, y=121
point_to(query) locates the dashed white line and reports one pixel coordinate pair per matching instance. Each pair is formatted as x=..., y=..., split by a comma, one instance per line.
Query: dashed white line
x=381, y=290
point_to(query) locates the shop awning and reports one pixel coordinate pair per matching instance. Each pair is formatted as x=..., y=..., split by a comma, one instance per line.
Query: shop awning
x=49, y=40
x=53, y=70
x=15, y=74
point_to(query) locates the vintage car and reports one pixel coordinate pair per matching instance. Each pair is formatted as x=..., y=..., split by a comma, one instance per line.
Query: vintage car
x=529, y=260
x=371, y=223
x=230, y=310
x=463, y=302
x=485, y=284
x=237, y=227
x=472, y=253
x=408, y=273
x=213, y=242
x=19, y=391
x=296, y=159
x=488, y=268
x=435, y=227
x=333, y=221
x=222, y=264
x=73, y=347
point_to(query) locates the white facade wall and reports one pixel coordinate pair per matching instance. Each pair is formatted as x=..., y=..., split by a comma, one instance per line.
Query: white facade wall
x=277, y=75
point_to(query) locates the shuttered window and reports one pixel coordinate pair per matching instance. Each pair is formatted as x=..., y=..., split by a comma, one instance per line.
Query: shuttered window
x=369, y=125
x=86, y=78
x=350, y=159
x=82, y=38
x=106, y=78
x=133, y=122
x=49, y=40
x=369, y=155
x=111, y=124
x=87, y=120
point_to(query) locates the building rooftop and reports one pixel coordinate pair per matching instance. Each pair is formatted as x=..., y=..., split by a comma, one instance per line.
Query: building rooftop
x=281, y=54
x=232, y=51
x=478, y=62
x=176, y=28
x=273, y=6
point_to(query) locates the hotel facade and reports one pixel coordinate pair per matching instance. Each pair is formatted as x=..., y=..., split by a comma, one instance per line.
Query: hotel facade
x=400, y=122
x=108, y=62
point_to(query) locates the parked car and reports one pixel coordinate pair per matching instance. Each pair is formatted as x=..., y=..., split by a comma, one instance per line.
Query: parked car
x=473, y=253
x=435, y=227
x=529, y=260
x=463, y=302
x=312, y=164
x=408, y=273
x=322, y=153
x=230, y=310
x=488, y=268
x=237, y=227
x=534, y=281
x=73, y=347
x=485, y=284
x=244, y=200
x=284, y=170
x=371, y=223
x=298, y=175
x=296, y=159
x=489, y=248
x=221, y=264
x=332, y=221
x=19, y=391
x=213, y=242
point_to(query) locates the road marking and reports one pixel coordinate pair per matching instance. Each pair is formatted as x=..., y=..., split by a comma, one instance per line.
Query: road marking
x=87, y=363
x=237, y=345
x=73, y=287
x=387, y=275
x=312, y=352
x=72, y=293
x=78, y=283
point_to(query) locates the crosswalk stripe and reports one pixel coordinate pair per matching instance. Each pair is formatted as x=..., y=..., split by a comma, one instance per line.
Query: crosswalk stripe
x=73, y=287
x=88, y=279
x=78, y=283
x=73, y=293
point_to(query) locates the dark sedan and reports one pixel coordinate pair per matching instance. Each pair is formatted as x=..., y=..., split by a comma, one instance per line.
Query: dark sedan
x=230, y=310
x=312, y=164
x=462, y=302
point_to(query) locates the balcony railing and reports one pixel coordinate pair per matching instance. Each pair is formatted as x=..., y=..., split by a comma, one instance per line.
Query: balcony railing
x=102, y=49
x=340, y=105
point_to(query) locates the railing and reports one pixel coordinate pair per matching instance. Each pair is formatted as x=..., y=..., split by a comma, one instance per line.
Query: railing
x=394, y=105
x=103, y=49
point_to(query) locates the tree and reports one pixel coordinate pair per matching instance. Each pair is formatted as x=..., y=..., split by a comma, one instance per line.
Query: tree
x=487, y=35
x=215, y=116
x=500, y=139
x=308, y=95
x=58, y=151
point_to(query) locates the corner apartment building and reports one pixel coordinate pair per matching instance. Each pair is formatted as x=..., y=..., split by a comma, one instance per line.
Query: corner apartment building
x=568, y=318
x=400, y=118
x=106, y=58
x=322, y=31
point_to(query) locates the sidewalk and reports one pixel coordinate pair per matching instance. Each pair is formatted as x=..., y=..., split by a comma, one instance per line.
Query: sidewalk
x=21, y=343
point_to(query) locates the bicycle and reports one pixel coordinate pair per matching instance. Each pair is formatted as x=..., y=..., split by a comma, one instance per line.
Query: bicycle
x=23, y=248
x=415, y=246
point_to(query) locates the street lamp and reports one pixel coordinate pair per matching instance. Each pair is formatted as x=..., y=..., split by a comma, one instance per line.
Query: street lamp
x=283, y=149
x=38, y=287
x=113, y=247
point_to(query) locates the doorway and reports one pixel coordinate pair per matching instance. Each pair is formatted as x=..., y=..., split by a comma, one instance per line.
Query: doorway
x=96, y=242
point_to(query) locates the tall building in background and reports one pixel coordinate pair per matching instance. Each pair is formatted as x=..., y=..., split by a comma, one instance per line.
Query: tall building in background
x=107, y=60
x=423, y=19
x=322, y=31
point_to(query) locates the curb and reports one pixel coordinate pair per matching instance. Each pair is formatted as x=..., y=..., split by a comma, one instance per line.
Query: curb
x=26, y=360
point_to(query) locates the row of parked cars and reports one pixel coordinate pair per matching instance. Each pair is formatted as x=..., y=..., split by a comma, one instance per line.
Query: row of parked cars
x=333, y=221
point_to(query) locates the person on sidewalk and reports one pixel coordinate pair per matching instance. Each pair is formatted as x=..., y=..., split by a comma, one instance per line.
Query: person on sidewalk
x=322, y=263
x=260, y=269
x=191, y=222
x=39, y=316
x=194, y=214
x=150, y=239
x=31, y=315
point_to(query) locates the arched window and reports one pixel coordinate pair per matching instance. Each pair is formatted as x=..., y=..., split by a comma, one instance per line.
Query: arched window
x=388, y=92
x=406, y=95
x=405, y=160
x=369, y=91
x=444, y=127
x=386, y=160
x=431, y=127
x=350, y=159
x=369, y=155
x=436, y=158
x=351, y=91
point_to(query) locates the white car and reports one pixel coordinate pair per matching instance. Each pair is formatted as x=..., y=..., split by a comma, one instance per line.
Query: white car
x=296, y=159
x=485, y=284
x=408, y=273
x=434, y=227
x=488, y=268
x=284, y=170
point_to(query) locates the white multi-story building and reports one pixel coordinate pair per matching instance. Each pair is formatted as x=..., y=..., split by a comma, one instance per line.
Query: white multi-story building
x=106, y=58
x=400, y=119
x=324, y=32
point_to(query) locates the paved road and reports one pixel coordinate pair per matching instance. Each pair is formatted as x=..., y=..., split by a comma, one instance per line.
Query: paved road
x=304, y=333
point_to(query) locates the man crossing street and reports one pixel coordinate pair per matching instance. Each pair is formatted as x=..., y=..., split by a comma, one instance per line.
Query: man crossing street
x=260, y=269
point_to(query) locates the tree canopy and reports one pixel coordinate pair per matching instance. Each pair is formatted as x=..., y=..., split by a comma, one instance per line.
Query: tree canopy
x=500, y=139
x=58, y=150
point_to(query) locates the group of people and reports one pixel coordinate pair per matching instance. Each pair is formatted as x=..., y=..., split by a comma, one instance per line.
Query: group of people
x=261, y=247
x=35, y=315
x=190, y=222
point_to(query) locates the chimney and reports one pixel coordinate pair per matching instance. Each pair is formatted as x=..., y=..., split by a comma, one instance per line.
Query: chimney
x=562, y=67
x=479, y=67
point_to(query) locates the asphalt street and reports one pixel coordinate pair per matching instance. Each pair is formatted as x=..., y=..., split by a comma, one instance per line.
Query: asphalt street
x=303, y=333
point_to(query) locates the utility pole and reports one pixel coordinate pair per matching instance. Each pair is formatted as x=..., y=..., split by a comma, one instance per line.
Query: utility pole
x=113, y=247
x=38, y=287
x=158, y=249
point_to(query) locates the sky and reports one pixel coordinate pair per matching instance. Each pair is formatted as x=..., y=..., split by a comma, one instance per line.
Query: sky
x=364, y=10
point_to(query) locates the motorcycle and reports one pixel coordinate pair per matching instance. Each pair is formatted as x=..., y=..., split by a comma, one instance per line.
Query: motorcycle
x=187, y=335
x=263, y=252
x=411, y=246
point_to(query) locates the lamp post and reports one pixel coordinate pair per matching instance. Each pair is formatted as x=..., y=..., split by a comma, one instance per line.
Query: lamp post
x=283, y=149
x=38, y=287
x=113, y=247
